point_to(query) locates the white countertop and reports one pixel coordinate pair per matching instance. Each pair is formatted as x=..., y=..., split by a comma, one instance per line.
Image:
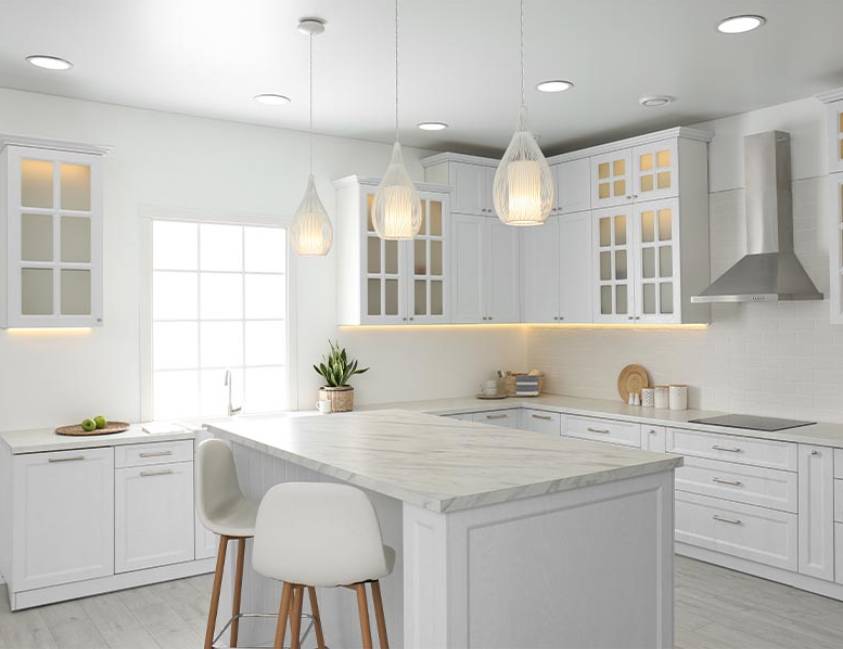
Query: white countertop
x=44, y=440
x=438, y=463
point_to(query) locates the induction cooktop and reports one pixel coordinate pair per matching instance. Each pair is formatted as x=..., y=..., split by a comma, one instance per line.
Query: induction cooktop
x=752, y=422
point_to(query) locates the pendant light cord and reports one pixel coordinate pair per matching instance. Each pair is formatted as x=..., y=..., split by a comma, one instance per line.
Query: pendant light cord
x=396, y=70
x=523, y=90
x=310, y=96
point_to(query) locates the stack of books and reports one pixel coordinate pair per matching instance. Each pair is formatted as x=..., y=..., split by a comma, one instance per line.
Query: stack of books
x=526, y=385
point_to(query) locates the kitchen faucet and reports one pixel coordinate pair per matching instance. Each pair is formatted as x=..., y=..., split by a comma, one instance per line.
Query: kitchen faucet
x=231, y=409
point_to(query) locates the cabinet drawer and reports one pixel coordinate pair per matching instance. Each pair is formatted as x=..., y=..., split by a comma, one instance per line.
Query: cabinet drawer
x=732, y=448
x=755, y=533
x=654, y=438
x=604, y=430
x=739, y=482
x=498, y=417
x=838, y=463
x=838, y=501
x=540, y=421
x=464, y=416
x=155, y=453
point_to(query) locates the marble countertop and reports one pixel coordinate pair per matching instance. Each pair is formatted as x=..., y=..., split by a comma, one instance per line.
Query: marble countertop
x=438, y=463
x=44, y=440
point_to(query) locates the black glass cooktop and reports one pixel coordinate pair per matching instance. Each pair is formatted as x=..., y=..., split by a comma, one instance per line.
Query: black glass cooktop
x=752, y=422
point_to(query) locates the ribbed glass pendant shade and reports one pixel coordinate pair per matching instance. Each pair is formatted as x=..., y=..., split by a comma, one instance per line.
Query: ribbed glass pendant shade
x=396, y=213
x=311, y=231
x=524, y=190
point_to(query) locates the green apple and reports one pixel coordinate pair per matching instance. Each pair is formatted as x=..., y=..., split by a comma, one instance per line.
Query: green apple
x=100, y=421
x=88, y=425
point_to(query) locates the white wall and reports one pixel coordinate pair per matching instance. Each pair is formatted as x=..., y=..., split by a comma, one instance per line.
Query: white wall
x=179, y=162
x=775, y=358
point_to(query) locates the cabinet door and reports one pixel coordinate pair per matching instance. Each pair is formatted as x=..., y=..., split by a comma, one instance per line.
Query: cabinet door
x=540, y=261
x=502, y=268
x=574, y=254
x=655, y=171
x=154, y=516
x=835, y=131
x=656, y=262
x=816, y=511
x=507, y=418
x=614, y=300
x=835, y=233
x=611, y=179
x=467, y=233
x=540, y=421
x=63, y=520
x=654, y=438
x=384, y=291
x=573, y=186
x=487, y=200
x=428, y=270
x=469, y=182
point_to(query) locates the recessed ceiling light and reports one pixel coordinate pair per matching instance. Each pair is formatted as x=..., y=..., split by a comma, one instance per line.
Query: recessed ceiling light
x=49, y=62
x=740, y=24
x=432, y=126
x=655, y=101
x=271, y=99
x=554, y=85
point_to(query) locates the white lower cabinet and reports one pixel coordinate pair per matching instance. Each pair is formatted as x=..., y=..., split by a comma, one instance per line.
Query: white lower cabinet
x=623, y=433
x=816, y=511
x=154, y=516
x=63, y=517
x=653, y=438
x=541, y=421
x=508, y=418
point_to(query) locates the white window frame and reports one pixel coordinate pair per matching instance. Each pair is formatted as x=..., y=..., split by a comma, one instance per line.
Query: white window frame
x=148, y=214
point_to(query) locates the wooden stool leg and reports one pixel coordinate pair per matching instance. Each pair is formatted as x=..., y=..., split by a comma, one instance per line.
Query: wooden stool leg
x=295, y=617
x=238, y=588
x=379, y=618
x=363, y=612
x=283, y=613
x=215, y=593
x=317, y=622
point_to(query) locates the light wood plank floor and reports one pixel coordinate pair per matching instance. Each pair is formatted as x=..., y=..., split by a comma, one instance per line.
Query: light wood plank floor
x=715, y=609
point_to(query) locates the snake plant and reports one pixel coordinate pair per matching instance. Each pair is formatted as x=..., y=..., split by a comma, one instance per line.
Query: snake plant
x=336, y=368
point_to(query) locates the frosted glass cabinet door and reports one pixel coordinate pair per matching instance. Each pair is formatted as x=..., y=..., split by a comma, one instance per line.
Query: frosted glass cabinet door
x=383, y=302
x=611, y=179
x=657, y=262
x=835, y=130
x=427, y=255
x=655, y=171
x=613, y=298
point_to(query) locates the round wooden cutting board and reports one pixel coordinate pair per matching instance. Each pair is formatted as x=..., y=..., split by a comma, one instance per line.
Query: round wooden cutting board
x=110, y=428
x=631, y=379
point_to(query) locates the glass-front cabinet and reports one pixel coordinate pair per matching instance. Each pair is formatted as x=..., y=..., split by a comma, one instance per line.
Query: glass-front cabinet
x=53, y=231
x=611, y=178
x=655, y=170
x=613, y=248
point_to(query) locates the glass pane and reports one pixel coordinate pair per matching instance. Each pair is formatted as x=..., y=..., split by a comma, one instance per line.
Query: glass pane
x=645, y=162
x=620, y=264
x=370, y=200
x=174, y=295
x=620, y=230
x=435, y=257
x=36, y=183
x=606, y=300
x=36, y=237
x=220, y=296
x=175, y=345
x=220, y=344
x=649, y=306
x=663, y=158
x=420, y=256
x=841, y=149
x=605, y=232
x=213, y=393
x=374, y=292
x=266, y=249
x=266, y=296
x=665, y=224
x=603, y=190
x=390, y=257
x=666, y=261
x=646, y=183
x=620, y=299
x=75, y=186
x=619, y=167
x=437, y=306
x=76, y=239
x=436, y=218
x=666, y=297
x=220, y=247
x=373, y=255
x=648, y=262
x=266, y=343
x=175, y=245
x=75, y=292
x=603, y=170
x=663, y=180
x=36, y=291
x=648, y=226
x=423, y=228
x=605, y=266
x=176, y=394
x=420, y=297
x=619, y=187
x=840, y=124
x=265, y=389
x=391, y=297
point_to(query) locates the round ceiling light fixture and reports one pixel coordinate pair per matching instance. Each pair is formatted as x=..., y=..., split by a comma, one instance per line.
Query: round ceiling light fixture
x=655, y=101
x=555, y=85
x=740, y=24
x=49, y=62
x=432, y=126
x=271, y=99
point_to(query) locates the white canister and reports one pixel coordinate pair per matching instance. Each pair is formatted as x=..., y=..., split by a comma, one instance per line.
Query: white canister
x=678, y=397
x=660, y=396
x=648, y=397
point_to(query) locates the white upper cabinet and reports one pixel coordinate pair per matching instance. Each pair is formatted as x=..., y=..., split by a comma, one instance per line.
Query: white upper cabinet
x=471, y=178
x=656, y=261
x=611, y=178
x=655, y=170
x=575, y=268
x=502, y=270
x=573, y=186
x=50, y=234
x=834, y=101
x=835, y=237
x=613, y=257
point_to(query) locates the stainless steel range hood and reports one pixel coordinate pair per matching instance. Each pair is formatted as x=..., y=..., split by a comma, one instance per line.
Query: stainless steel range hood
x=770, y=271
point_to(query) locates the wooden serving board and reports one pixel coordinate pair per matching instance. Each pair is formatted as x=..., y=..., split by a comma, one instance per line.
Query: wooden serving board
x=110, y=428
x=631, y=379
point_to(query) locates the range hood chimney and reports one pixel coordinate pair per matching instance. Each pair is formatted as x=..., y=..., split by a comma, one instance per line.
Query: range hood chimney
x=770, y=271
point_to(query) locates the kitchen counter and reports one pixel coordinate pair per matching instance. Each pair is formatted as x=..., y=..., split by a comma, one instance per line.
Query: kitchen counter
x=45, y=440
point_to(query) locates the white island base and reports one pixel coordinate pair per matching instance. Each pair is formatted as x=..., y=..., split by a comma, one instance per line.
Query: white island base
x=585, y=567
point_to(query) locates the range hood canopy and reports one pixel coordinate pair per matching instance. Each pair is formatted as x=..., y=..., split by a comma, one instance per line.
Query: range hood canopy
x=770, y=271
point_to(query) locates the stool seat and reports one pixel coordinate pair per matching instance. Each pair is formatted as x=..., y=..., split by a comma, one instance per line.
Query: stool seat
x=235, y=518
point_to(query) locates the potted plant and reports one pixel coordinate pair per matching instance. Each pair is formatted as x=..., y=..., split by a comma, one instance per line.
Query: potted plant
x=337, y=371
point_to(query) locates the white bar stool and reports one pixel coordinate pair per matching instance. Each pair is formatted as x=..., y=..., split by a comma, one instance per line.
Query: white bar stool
x=315, y=534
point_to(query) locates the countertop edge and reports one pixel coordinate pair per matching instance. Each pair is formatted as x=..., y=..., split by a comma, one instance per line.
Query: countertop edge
x=74, y=444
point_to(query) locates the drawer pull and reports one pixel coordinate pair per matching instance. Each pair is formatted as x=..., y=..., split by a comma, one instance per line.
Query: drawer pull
x=496, y=416
x=731, y=483
x=72, y=458
x=598, y=430
x=717, y=447
x=150, y=474
x=156, y=454
x=731, y=521
x=543, y=417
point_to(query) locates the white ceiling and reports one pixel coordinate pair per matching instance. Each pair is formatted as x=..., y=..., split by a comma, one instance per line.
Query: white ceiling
x=459, y=62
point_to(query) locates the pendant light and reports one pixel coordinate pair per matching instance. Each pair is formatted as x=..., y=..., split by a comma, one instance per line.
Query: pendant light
x=396, y=212
x=311, y=231
x=524, y=191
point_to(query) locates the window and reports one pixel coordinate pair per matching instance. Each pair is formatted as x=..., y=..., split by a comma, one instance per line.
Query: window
x=219, y=302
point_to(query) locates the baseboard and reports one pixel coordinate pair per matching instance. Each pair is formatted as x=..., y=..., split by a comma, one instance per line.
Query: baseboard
x=803, y=582
x=51, y=594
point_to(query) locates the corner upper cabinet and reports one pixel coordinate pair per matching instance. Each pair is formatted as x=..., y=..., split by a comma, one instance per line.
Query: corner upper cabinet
x=834, y=102
x=573, y=185
x=471, y=177
x=391, y=282
x=51, y=226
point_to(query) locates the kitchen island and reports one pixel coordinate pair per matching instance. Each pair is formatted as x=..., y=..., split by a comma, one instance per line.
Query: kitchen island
x=504, y=538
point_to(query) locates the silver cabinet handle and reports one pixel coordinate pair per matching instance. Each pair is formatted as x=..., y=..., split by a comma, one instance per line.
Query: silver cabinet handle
x=731, y=521
x=717, y=447
x=496, y=416
x=598, y=430
x=815, y=452
x=149, y=474
x=72, y=458
x=731, y=483
x=544, y=417
x=653, y=432
x=156, y=454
